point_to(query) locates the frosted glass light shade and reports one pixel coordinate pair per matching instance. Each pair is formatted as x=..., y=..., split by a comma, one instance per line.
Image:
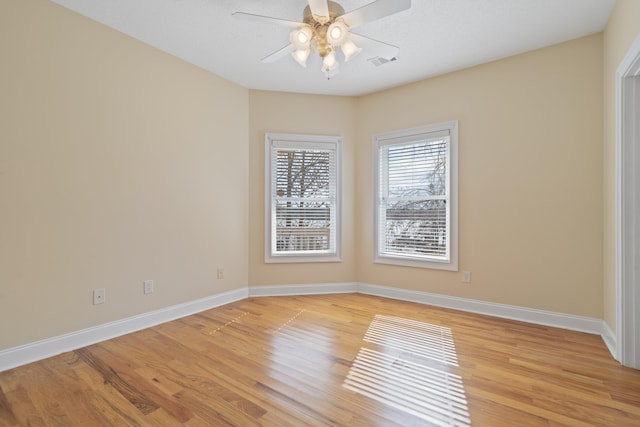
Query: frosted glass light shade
x=301, y=56
x=329, y=62
x=301, y=37
x=349, y=50
x=337, y=33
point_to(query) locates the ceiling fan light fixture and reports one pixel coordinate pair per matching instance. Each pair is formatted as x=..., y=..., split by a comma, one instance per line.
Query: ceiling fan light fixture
x=337, y=33
x=325, y=27
x=301, y=56
x=301, y=38
x=350, y=50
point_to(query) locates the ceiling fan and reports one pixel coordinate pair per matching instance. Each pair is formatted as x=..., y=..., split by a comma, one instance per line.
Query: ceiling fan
x=325, y=27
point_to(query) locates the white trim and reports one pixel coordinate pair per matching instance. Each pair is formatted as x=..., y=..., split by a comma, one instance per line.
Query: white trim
x=450, y=128
x=609, y=338
x=39, y=350
x=524, y=314
x=628, y=207
x=299, y=141
x=291, y=290
x=540, y=317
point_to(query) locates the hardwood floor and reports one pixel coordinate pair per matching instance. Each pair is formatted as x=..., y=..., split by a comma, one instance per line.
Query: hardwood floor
x=320, y=360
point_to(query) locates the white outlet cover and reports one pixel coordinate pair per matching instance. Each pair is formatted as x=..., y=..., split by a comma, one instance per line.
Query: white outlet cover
x=99, y=296
x=466, y=276
x=148, y=287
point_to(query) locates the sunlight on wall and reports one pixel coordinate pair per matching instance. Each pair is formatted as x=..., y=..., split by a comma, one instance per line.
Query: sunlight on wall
x=386, y=375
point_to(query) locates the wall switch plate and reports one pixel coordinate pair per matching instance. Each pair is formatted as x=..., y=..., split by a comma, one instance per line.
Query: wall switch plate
x=466, y=277
x=220, y=273
x=99, y=296
x=148, y=287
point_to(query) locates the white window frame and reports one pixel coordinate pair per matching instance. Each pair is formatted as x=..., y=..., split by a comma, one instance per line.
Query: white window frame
x=297, y=141
x=449, y=262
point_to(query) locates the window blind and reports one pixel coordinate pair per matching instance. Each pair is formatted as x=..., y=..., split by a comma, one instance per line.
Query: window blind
x=413, y=205
x=303, y=198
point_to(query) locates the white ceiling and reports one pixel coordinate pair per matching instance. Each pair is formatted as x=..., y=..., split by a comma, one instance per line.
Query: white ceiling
x=434, y=36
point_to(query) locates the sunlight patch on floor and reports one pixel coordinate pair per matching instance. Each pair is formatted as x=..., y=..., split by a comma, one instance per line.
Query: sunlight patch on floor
x=422, y=339
x=421, y=389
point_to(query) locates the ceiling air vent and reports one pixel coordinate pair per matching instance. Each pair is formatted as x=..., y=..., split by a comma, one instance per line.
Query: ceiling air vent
x=378, y=60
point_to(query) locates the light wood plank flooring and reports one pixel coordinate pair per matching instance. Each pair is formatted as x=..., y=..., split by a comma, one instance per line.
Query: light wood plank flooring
x=350, y=359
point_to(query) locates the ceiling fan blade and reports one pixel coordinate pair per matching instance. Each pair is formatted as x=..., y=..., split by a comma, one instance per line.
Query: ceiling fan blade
x=266, y=19
x=319, y=8
x=374, y=11
x=375, y=47
x=278, y=54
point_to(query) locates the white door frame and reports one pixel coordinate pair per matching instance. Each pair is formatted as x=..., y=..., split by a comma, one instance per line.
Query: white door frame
x=628, y=208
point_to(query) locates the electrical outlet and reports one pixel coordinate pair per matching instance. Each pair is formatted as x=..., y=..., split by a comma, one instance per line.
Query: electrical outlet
x=220, y=273
x=99, y=296
x=148, y=287
x=466, y=277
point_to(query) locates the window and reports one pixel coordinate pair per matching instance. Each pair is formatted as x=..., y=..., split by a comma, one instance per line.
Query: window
x=416, y=197
x=302, y=198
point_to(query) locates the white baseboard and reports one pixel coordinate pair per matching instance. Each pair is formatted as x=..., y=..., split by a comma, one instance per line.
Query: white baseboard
x=610, y=339
x=39, y=350
x=540, y=317
x=317, y=289
x=530, y=315
x=32, y=352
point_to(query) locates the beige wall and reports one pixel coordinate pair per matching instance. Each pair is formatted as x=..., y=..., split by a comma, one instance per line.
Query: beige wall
x=530, y=181
x=300, y=114
x=118, y=163
x=621, y=31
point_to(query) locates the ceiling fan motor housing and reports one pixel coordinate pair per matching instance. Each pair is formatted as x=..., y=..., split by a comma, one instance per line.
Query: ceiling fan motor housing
x=335, y=10
x=320, y=25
